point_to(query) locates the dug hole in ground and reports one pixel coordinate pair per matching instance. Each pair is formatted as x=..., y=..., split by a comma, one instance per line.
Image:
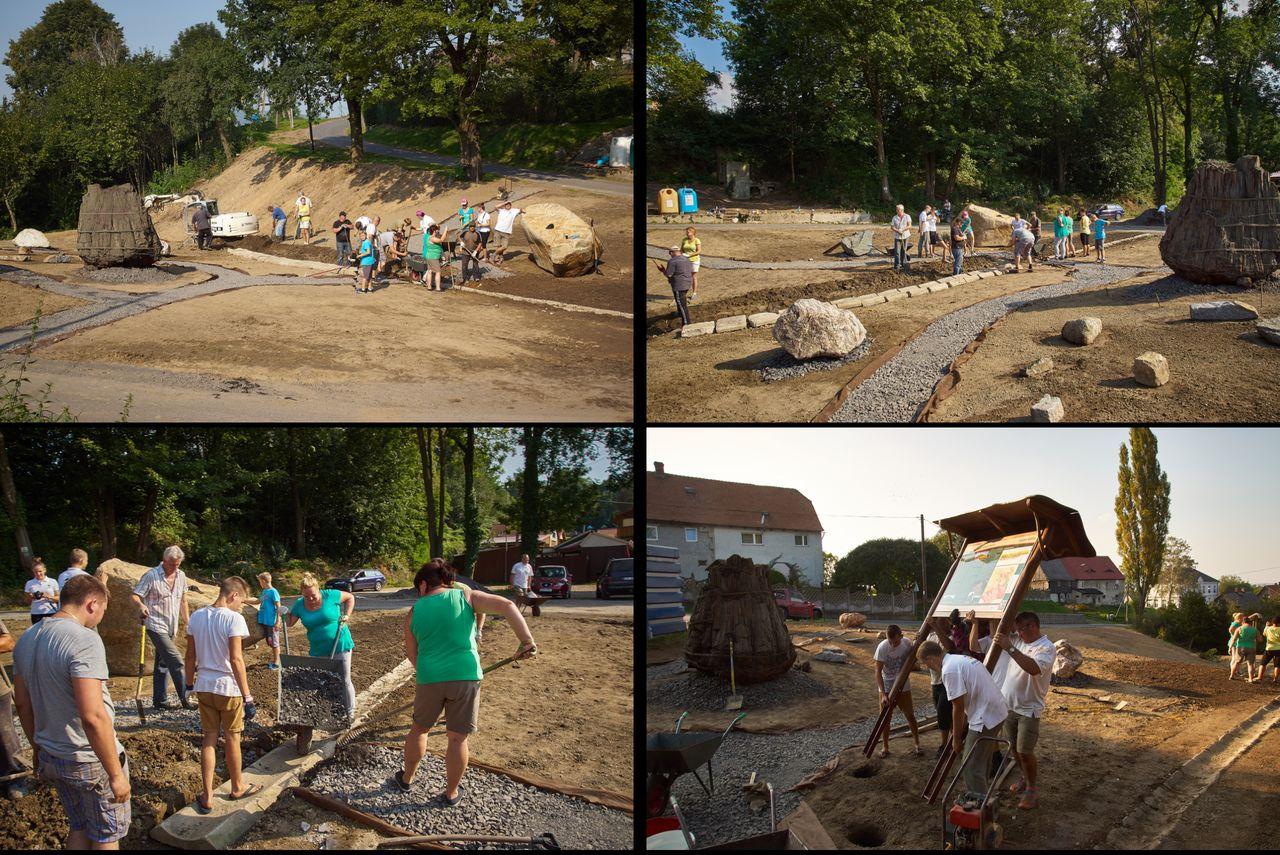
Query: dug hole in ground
x=220, y=336
x=1097, y=763
x=565, y=716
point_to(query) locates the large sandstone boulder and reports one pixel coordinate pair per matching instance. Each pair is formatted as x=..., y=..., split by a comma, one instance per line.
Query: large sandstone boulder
x=562, y=242
x=1067, y=659
x=1082, y=330
x=120, y=626
x=990, y=227
x=813, y=328
x=852, y=620
x=31, y=239
x=1224, y=229
x=1151, y=369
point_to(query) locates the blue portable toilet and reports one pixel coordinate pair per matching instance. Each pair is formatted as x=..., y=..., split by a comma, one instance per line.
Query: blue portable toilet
x=688, y=200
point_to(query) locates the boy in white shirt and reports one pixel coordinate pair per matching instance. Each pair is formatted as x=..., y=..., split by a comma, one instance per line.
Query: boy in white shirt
x=78, y=561
x=978, y=710
x=215, y=636
x=890, y=657
x=506, y=223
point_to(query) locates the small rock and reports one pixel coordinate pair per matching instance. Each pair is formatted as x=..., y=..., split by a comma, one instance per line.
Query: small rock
x=1269, y=329
x=1048, y=409
x=1082, y=330
x=1008, y=268
x=829, y=654
x=1043, y=365
x=1151, y=369
x=732, y=323
x=57, y=258
x=700, y=328
x=762, y=319
x=1223, y=310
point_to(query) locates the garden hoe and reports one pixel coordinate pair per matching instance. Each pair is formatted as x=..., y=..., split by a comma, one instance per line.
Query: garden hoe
x=735, y=700
x=142, y=664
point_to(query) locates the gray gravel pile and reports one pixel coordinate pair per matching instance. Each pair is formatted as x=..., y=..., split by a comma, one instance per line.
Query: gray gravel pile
x=895, y=392
x=1173, y=286
x=783, y=366
x=780, y=759
x=653, y=672
x=128, y=275
x=313, y=696
x=491, y=803
x=698, y=691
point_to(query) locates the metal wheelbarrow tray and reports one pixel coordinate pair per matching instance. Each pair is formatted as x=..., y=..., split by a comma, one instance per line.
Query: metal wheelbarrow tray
x=293, y=662
x=670, y=755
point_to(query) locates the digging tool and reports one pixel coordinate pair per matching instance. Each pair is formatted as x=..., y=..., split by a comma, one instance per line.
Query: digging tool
x=142, y=664
x=735, y=700
x=26, y=773
x=546, y=840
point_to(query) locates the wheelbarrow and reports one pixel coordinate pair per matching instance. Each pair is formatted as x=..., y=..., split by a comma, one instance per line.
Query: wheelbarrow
x=532, y=601
x=670, y=755
x=332, y=664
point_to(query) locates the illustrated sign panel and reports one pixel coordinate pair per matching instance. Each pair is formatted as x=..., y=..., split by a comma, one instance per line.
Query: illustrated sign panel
x=986, y=576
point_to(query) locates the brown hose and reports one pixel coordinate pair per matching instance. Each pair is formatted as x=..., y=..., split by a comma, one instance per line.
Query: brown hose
x=368, y=820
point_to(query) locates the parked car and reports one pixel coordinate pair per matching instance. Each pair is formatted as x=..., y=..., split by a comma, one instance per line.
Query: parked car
x=366, y=579
x=792, y=605
x=1110, y=211
x=554, y=580
x=618, y=578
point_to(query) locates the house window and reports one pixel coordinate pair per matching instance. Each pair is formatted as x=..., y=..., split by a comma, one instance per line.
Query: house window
x=752, y=537
x=651, y=532
x=802, y=540
x=691, y=535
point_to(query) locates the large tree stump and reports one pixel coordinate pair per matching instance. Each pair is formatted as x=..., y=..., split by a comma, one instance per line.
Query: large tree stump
x=115, y=230
x=736, y=603
x=1227, y=227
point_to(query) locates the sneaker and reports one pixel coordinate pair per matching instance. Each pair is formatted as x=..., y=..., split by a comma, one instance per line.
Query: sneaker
x=451, y=802
x=188, y=704
x=398, y=780
x=164, y=705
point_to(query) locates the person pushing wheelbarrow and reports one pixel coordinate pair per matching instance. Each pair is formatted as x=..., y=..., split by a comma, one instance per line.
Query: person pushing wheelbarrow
x=440, y=639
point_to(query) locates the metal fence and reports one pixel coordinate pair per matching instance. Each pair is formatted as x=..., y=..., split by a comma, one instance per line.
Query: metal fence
x=834, y=601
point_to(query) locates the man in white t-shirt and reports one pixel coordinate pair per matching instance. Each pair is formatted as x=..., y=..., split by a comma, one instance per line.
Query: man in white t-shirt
x=505, y=223
x=901, y=226
x=521, y=573
x=978, y=710
x=1028, y=669
x=940, y=634
x=890, y=657
x=214, y=670
x=42, y=593
x=75, y=566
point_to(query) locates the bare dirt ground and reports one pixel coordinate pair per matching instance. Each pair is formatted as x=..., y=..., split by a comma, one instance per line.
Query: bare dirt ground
x=19, y=303
x=565, y=716
x=714, y=377
x=1097, y=762
x=772, y=242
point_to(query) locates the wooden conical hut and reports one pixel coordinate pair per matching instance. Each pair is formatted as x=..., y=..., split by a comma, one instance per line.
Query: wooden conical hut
x=736, y=603
x=115, y=230
x=1226, y=229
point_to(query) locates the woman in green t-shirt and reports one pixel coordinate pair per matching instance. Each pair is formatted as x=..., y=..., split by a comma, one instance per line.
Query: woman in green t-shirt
x=440, y=639
x=1245, y=642
x=325, y=613
x=433, y=252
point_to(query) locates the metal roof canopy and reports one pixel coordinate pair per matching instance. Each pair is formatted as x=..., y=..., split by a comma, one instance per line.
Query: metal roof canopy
x=1063, y=538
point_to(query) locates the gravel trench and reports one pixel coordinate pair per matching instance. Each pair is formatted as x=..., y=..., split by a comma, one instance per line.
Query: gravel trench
x=896, y=391
x=784, y=366
x=780, y=759
x=491, y=804
x=694, y=690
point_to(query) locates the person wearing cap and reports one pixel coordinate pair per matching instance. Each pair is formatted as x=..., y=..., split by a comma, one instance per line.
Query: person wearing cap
x=342, y=237
x=502, y=229
x=465, y=214
x=679, y=272
x=484, y=221
x=426, y=219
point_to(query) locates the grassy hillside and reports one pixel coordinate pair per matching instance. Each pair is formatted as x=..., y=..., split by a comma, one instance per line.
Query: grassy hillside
x=526, y=145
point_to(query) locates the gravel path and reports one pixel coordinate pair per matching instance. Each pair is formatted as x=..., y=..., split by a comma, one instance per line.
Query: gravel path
x=716, y=263
x=780, y=759
x=784, y=366
x=694, y=690
x=491, y=803
x=895, y=392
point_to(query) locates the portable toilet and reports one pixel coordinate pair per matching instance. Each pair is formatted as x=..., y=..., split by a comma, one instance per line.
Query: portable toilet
x=688, y=200
x=668, y=203
x=620, y=152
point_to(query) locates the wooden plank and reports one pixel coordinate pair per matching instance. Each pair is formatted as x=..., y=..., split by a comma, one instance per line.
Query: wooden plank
x=807, y=828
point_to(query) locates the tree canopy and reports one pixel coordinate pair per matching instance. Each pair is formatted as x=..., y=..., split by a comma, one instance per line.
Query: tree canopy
x=891, y=565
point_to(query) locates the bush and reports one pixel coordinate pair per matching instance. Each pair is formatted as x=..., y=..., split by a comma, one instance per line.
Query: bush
x=1194, y=623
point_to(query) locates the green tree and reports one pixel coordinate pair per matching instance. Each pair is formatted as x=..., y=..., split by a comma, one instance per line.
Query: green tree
x=1178, y=571
x=1230, y=582
x=665, y=22
x=210, y=79
x=1142, y=515
x=69, y=33
x=890, y=565
x=20, y=154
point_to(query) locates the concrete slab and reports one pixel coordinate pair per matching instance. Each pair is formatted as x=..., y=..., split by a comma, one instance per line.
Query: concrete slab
x=762, y=319
x=872, y=300
x=847, y=303
x=700, y=328
x=732, y=323
x=890, y=296
x=933, y=287
x=915, y=291
x=275, y=771
x=987, y=274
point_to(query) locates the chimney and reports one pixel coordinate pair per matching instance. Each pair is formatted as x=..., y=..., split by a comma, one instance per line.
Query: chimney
x=658, y=468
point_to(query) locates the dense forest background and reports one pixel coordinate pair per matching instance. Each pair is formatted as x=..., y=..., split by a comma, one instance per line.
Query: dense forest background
x=868, y=102
x=299, y=498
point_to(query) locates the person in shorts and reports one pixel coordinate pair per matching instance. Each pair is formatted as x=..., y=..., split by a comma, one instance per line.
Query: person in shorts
x=1023, y=241
x=484, y=227
x=366, y=259
x=1246, y=645
x=41, y=591
x=440, y=640
x=890, y=657
x=1085, y=234
x=940, y=634
x=691, y=248
x=1023, y=676
x=1100, y=238
x=269, y=618
x=506, y=221
x=1271, y=656
x=215, y=671
x=433, y=253
x=60, y=687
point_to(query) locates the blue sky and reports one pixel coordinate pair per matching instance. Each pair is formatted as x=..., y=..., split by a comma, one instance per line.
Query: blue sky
x=710, y=52
x=1224, y=502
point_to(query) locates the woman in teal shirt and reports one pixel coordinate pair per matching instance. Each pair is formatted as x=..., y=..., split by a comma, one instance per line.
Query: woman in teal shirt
x=325, y=613
x=440, y=639
x=367, y=259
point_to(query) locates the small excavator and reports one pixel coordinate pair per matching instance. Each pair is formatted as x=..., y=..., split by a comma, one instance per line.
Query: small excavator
x=237, y=225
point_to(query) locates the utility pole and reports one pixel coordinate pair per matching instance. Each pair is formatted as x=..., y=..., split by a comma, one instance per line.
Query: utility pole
x=924, y=584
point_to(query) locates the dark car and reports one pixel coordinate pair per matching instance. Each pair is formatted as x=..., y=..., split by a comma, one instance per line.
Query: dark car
x=553, y=580
x=367, y=579
x=1110, y=212
x=617, y=578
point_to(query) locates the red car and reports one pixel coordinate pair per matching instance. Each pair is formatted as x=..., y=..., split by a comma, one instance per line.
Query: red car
x=792, y=605
x=552, y=580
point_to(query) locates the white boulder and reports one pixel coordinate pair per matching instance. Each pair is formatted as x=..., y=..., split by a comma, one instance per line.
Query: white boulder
x=1223, y=310
x=31, y=239
x=813, y=328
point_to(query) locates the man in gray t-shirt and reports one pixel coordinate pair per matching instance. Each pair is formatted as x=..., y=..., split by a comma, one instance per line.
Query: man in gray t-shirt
x=10, y=747
x=679, y=272
x=60, y=684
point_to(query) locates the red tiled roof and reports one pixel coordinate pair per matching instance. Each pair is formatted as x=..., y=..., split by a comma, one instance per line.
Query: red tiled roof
x=703, y=501
x=1100, y=568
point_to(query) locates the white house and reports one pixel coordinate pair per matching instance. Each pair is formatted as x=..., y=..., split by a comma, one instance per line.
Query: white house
x=1166, y=595
x=709, y=520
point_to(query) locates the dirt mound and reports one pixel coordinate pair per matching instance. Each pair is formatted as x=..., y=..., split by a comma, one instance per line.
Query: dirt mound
x=120, y=627
x=288, y=249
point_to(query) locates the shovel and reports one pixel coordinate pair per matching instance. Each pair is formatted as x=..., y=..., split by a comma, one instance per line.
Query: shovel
x=735, y=700
x=142, y=664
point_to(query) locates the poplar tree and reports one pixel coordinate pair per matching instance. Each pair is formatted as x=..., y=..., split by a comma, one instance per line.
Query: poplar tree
x=1142, y=515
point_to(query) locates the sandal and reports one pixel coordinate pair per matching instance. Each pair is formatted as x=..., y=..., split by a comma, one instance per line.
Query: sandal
x=201, y=808
x=884, y=752
x=253, y=789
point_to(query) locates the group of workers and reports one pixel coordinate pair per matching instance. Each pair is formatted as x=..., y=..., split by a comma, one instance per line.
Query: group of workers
x=1249, y=639
x=65, y=709
x=975, y=706
x=372, y=251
